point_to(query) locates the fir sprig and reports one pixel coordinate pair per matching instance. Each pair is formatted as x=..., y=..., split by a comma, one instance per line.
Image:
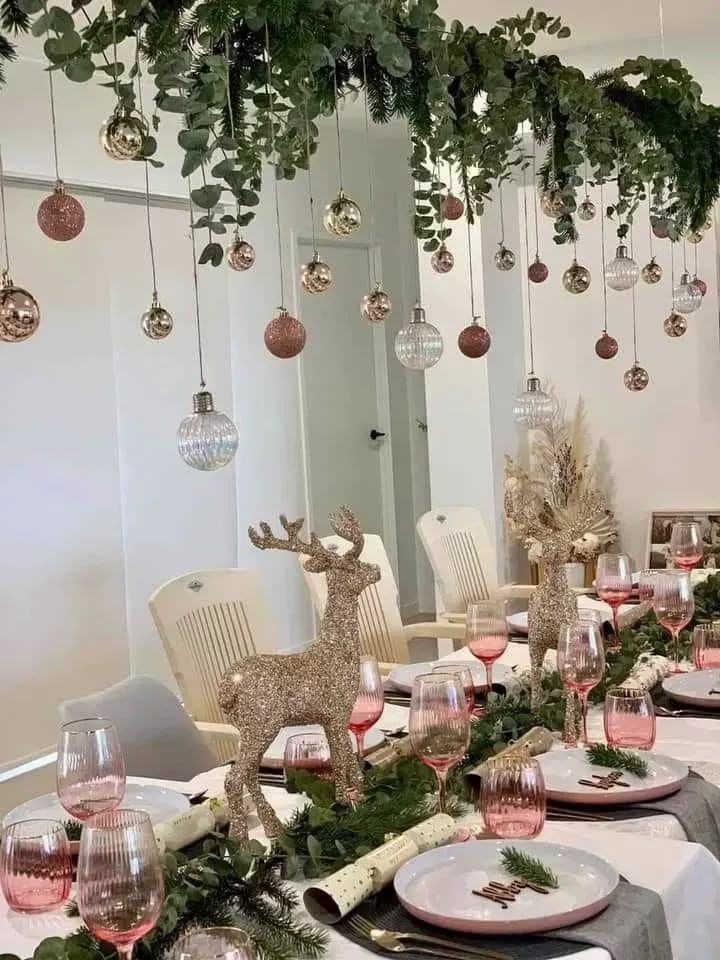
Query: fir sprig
x=73, y=829
x=602, y=755
x=525, y=867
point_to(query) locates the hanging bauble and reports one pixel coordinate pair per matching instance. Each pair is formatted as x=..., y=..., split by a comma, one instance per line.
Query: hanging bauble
x=342, y=217
x=504, y=258
x=60, y=216
x=122, y=134
x=700, y=284
x=551, y=203
x=538, y=271
x=19, y=312
x=206, y=440
x=156, y=322
x=576, y=278
x=315, y=275
x=636, y=378
x=697, y=236
x=652, y=272
x=606, y=347
x=587, y=209
x=660, y=229
x=675, y=325
x=376, y=306
x=452, y=207
x=418, y=345
x=285, y=335
x=240, y=254
x=533, y=407
x=442, y=261
x=686, y=296
x=622, y=273
x=474, y=341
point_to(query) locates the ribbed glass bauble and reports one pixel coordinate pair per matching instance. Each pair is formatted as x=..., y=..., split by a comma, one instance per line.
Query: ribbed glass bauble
x=419, y=345
x=452, y=207
x=442, y=261
x=315, y=275
x=122, y=134
x=700, y=284
x=686, y=296
x=474, y=341
x=156, y=322
x=538, y=271
x=206, y=440
x=606, y=347
x=60, y=216
x=622, y=273
x=19, y=312
x=675, y=325
x=504, y=258
x=551, y=203
x=342, y=217
x=636, y=378
x=533, y=407
x=285, y=336
x=576, y=278
x=240, y=254
x=587, y=209
x=376, y=306
x=652, y=272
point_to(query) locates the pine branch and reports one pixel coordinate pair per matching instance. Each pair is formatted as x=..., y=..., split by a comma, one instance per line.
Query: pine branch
x=601, y=755
x=528, y=868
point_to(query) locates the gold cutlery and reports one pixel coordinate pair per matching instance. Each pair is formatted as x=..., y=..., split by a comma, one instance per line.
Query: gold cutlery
x=398, y=942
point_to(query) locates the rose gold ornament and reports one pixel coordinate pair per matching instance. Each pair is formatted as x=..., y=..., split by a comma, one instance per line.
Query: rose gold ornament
x=576, y=278
x=122, y=134
x=538, y=271
x=660, y=229
x=697, y=236
x=474, y=341
x=240, y=254
x=60, y=216
x=285, y=335
x=636, y=378
x=343, y=216
x=606, y=347
x=504, y=258
x=442, y=261
x=652, y=272
x=675, y=325
x=700, y=284
x=587, y=209
x=315, y=276
x=452, y=207
x=19, y=312
x=551, y=203
x=376, y=306
x=156, y=322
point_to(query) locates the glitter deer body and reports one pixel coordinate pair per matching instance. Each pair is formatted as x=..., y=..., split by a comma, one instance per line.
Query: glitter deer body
x=262, y=694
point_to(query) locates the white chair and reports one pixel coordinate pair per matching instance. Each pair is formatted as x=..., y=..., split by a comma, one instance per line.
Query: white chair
x=382, y=632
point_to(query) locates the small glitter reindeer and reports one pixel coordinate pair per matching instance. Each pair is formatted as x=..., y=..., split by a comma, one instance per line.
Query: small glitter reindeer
x=262, y=694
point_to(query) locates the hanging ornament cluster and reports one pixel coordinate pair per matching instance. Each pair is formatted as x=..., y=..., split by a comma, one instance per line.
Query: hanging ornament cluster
x=474, y=340
x=418, y=345
x=442, y=261
x=316, y=275
x=606, y=347
x=376, y=306
x=240, y=254
x=652, y=272
x=576, y=278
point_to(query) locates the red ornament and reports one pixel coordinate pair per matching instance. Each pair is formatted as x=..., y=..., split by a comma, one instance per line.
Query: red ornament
x=474, y=340
x=60, y=216
x=537, y=271
x=700, y=284
x=606, y=347
x=452, y=207
x=285, y=335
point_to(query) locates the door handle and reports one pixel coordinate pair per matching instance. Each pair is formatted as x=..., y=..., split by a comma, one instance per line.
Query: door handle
x=376, y=434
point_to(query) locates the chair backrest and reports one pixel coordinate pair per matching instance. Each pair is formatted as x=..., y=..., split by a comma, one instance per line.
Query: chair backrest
x=208, y=620
x=461, y=555
x=381, y=628
x=157, y=736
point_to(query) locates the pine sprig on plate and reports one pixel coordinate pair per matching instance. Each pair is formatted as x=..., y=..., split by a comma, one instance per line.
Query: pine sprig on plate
x=528, y=868
x=601, y=755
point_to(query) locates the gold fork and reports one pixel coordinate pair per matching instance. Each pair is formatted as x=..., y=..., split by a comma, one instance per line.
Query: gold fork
x=397, y=942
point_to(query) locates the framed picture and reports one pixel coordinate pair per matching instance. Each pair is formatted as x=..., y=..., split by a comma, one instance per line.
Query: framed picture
x=660, y=529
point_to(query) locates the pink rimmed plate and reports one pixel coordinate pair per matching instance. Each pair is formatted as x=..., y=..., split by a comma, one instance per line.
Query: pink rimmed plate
x=694, y=688
x=403, y=677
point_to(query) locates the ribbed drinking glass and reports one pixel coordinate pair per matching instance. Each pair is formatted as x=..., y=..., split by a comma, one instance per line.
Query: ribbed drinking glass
x=512, y=797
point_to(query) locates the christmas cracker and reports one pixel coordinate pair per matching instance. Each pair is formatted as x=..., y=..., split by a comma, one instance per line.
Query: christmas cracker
x=535, y=741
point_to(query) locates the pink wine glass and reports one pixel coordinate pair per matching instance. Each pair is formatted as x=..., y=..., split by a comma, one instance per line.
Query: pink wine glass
x=215, y=943
x=613, y=583
x=90, y=768
x=35, y=865
x=706, y=646
x=512, y=797
x=439, y=725
x=686, y=547
x=629, y=718
x=369, y=704
x=646, y=585
x=120, y=880
x=464, y=672
x=486, y=634
x=674, y=605
x=581, y=662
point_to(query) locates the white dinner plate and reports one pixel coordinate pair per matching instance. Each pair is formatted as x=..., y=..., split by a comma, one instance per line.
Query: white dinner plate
x=563, y=768
x=276, y=751
x=437, y=887
x=518, y=622
x=403, y=677
x=694, y=688
x=159, y=802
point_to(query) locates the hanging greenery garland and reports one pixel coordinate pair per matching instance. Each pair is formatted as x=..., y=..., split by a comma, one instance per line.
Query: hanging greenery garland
x=465, y=95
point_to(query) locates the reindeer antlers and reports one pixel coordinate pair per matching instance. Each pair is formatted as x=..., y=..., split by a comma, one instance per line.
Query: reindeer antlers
x=343, y=523
x=346, y=526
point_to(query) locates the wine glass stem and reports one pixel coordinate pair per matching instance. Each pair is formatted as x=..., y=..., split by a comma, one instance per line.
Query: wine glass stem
x=125, y=953
x=583, y=711
x=676, y=648
x=488, y=675
x=360, y=741
x=442, y=789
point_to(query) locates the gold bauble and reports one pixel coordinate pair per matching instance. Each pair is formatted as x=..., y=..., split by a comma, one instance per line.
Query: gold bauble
x=342, y=217
x=551, y=203
x=156, y=322
x=19, y=312
x=122, y=134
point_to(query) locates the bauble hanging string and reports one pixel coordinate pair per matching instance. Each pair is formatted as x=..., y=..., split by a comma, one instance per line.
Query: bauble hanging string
x=700, y=284
x=551, y=201
x=606, y=347
x=451, y=207
x=124, y=132
x=240, y=255
x=652, y=271
x=537, y=271
x=586, y=210
x=636, y=378
x=342, y=216
x=60, y=216
x=504, y=258
x=474, y=340
x=687, y=297
x=675, y=324
x=442, y=261
x=19, y=310
x=315, y=275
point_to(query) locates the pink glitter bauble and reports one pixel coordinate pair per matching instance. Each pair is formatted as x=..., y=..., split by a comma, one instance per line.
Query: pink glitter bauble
x=700, y=284
x=474, y=341
x=60, y=216
x=452, y=207
x=537, y=271
x=606, y=347
x=285, y=336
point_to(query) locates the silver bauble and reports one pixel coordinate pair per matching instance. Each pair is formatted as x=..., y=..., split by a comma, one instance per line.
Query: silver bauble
x=240, y=254
x=587, y=209
x=122, y=134
x=636, y=378
x=551, y=203
x=652, y=272
x=19, y=312
x=442, y=261
x=687, y=297
x=316, y=275
x=156, y=322
x=675, y=325
x=504, y=258
x=576, y=278
x=342, y=217
x=622, y=273
x=376, y=306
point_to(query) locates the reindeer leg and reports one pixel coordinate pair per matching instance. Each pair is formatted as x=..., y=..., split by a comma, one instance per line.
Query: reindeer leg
x=347, y=774
x=234, y=783
x=537, y=655
x=268, y=817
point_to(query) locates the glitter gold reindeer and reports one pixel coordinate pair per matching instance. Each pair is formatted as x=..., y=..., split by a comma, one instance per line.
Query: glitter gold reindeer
x=262, y=694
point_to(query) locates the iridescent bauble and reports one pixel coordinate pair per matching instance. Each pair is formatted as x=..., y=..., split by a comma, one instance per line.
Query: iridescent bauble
x=19, y=312
x=376, y=306
x=504, y=258
x=240, y=254
x=686, y=296
x=315, y=275
x=675, y=325
x=452, y=207
x=285, y=335
x=700, y=284
x=60, y=216
x=622, y=273
x=551, y=203
x=606, y=347
x=576, y=278
x=474, y=341
x=418, y=345
x=442, y=261
x=587, y=209
x=538, y=271
x=122, y=134
x=660, y=229
x=533, y=407
x=206, y=440
x=342, y=217
x=156, y=322
x=636, y=378
x=652, y=272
